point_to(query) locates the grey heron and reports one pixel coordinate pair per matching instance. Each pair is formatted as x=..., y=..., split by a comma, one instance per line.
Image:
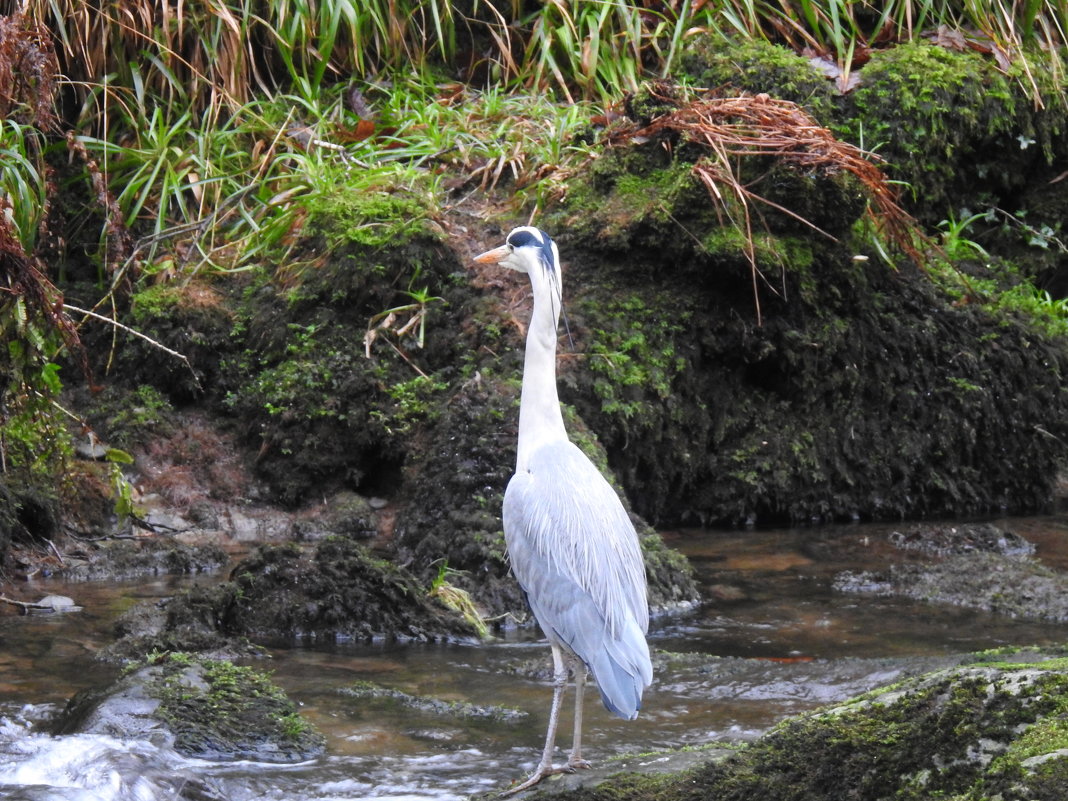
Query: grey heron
x=570, y=542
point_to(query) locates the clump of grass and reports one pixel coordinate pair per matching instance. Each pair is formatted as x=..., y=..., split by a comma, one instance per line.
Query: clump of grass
x=458, y=600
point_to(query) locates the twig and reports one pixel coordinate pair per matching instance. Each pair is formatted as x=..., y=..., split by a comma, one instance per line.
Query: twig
x=23, y=605
x=55, y=550
x=26, y=606
x=136, y=333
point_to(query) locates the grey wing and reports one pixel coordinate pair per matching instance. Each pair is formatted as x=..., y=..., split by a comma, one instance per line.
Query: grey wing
x=574, y=551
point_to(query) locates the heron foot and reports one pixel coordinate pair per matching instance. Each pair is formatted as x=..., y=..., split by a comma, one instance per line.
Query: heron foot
x=534, y=778
x=543, y=771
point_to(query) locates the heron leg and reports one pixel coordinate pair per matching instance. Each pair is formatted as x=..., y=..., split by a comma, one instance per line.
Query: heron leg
x=545, y=767
x=575, y=761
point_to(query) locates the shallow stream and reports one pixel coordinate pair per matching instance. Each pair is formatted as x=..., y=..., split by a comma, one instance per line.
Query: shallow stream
x=774, y=639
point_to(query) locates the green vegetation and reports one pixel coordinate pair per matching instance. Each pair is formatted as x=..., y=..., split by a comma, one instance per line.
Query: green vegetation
x=305, y=157
x=965, y=734
x=631, y=373
x=219, y=708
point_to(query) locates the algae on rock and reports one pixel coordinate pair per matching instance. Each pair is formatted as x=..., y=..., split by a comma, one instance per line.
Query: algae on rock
x=973, y=733
x=204, y=708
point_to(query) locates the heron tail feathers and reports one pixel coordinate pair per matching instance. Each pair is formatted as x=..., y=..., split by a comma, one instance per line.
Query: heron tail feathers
x=622, y=671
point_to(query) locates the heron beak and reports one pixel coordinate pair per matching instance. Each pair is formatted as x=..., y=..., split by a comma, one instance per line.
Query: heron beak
x=495, y=256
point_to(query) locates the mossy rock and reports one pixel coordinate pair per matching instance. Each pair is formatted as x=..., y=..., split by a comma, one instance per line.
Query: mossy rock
x=948, y=124
x=755, y=66
x=970, y=733
x=450, y=510
x=205, y=709
x=961, y=134
x=339, y=592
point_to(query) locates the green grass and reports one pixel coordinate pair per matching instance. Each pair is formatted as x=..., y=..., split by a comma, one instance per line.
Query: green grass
x=23, y=184
x=209, y=130
x=197, y=137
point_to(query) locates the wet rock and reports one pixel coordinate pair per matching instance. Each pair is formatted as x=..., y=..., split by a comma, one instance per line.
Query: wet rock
x=339, y=591
x=148, y=556
x=944, y=540
x=1015, y=586
x=977, y=731
x=202, y=708
x=91, y=448
x=432, y=706
x=52, y=604
x=346, y=514
x=186, y=623
x=976, y=567
x=727, y=592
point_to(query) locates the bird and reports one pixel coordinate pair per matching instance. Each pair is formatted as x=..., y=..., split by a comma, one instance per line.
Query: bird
x=571, y=544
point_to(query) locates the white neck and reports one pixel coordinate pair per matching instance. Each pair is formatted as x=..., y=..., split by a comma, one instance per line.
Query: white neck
x=540, y=420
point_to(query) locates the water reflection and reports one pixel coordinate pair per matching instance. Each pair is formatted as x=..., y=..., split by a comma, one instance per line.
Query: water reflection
x=775, y=640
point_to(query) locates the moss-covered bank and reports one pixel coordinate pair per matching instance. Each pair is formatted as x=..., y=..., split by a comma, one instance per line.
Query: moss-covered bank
x=368, y=358
x=803, y=379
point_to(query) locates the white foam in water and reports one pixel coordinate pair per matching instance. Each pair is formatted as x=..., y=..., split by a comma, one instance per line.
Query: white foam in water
x=85, y=767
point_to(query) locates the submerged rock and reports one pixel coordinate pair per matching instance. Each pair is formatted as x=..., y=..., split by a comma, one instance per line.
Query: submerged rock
x=944, y=540
x=463, y=710
x=148, y=556
x=202, y=708
x=974, y=566
x=1016, y=586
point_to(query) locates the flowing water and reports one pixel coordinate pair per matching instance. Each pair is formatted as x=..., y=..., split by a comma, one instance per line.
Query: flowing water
x=777, y=642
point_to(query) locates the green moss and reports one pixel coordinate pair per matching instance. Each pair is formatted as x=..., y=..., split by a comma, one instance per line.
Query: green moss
x=345, y=352
x=633, y=191
x=156, y=301
x=632, y=355
x=755, y=66
x=962, y=734
x=946, y=122
x=216, y=707
x=375, y=216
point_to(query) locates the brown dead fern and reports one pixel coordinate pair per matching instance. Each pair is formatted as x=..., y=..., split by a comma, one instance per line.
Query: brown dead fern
x=753, y=126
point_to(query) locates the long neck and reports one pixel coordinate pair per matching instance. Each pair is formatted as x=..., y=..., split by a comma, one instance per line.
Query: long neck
x=540, y=420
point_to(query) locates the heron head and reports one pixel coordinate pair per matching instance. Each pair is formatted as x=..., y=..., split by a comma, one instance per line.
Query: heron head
x=526, y=250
